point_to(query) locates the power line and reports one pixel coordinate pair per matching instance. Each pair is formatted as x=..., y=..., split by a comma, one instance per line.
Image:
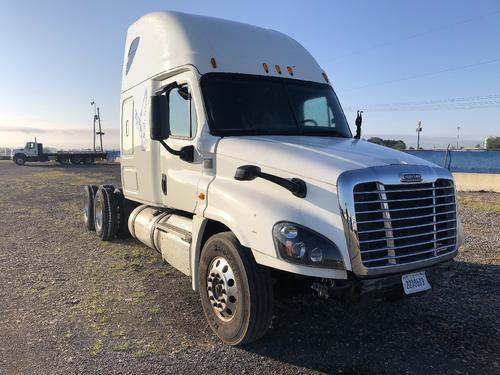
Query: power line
x=422, y=75
x=471, y=102
x=416, y=35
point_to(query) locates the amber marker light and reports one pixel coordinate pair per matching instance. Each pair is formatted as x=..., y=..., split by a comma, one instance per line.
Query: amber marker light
x=266, y=67
x=213, y=62
x=278, y=68
x=201, y=196
x=290, y=70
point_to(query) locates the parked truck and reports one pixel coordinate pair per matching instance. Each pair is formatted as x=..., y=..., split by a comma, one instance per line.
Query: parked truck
x=238, y=164
x=34, y=151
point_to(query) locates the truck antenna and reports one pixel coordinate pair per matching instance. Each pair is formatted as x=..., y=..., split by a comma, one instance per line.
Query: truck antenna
x=359, y=121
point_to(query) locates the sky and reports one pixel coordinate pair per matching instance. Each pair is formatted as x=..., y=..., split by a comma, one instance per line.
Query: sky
x=401, y=62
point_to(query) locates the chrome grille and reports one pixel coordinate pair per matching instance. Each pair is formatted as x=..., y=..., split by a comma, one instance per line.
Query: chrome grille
x=404, y=223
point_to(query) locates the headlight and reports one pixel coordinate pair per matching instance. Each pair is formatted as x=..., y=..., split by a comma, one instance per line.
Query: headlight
x=301, y=245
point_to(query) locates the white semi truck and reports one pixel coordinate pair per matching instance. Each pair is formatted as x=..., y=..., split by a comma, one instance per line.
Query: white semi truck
x=237, y=161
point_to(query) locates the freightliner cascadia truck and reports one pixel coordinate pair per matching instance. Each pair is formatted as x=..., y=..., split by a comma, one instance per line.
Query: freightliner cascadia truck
x=238, y=164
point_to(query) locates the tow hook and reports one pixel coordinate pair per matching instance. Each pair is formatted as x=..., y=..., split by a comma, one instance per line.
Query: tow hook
x=323, y=288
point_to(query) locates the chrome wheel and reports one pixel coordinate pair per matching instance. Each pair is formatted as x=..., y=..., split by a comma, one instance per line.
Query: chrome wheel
x=86, y=207
x=222, y=289
x=98, y=214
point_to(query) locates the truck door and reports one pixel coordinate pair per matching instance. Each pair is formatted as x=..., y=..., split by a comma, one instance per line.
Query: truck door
x=179, y=178
x=31, y=150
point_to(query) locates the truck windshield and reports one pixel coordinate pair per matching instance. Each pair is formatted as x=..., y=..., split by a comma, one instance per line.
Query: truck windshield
x=239, y=104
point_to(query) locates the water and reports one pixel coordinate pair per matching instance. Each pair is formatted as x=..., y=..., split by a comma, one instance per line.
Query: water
x=480, y=161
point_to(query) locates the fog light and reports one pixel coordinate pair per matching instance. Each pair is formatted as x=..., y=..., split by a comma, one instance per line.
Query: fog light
x=316, y=255
x=299, y=250
x=289, y=232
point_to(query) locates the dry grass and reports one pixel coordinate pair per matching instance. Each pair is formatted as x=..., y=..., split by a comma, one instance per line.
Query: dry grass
x=479, y=202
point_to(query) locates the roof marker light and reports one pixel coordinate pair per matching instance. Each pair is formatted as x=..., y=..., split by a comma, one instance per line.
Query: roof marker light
x=290, y=70
x=213, y=62
x=325, y=77
x=278, y=68
x=266, y=67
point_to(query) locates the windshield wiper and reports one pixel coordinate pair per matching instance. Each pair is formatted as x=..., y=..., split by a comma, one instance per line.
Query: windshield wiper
x=320, y=133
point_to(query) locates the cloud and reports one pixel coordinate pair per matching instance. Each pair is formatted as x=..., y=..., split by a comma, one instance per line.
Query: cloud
x=40, y=130
x=68, y=137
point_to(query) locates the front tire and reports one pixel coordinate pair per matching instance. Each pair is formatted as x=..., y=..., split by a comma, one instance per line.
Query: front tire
x=105, y=215
x=236, y=293
x=19, y=159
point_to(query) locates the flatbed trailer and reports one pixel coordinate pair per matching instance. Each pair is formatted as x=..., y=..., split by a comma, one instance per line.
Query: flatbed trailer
x=33, y=151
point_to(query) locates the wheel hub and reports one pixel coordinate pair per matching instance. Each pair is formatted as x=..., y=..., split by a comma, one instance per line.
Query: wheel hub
x=98, y=214
x=222, y=289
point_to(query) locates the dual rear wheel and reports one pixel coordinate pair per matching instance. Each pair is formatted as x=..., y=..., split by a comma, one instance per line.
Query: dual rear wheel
x=106, y=211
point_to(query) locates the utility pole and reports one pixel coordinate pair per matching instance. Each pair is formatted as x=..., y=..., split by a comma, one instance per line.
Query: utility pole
x=97, y=118
x=419, y=129
x=458, y=136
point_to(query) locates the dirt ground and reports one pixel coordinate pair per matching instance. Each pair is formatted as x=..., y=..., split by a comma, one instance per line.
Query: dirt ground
x=70, y=303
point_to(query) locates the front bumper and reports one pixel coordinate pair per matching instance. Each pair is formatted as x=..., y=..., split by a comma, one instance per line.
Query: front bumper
x=393, y=282
x=379, y=286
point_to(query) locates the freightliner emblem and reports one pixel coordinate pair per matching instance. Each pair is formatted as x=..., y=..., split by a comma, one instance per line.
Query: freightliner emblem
x=410, y=177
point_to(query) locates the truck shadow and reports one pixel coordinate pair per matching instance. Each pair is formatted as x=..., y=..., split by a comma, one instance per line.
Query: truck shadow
x=439, y=331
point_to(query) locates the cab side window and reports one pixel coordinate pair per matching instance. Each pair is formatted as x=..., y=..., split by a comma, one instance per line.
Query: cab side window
x=30, y=145
x=182, y=113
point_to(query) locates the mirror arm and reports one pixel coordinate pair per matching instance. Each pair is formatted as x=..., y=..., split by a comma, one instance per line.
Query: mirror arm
x=186, y=153
x=168, y=87
x=249, y=172
x=169, y=149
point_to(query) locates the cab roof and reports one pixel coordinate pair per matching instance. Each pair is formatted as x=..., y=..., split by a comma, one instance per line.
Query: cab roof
x=161, y=41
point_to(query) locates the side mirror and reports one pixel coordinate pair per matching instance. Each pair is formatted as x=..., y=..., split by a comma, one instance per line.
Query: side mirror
x=159, y=118
x=296, y=186
x=247, y=173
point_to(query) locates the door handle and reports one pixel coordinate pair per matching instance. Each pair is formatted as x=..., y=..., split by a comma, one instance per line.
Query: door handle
x=164, y=183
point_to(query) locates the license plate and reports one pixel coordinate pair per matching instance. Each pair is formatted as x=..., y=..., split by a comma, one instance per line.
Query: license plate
x=415, y=282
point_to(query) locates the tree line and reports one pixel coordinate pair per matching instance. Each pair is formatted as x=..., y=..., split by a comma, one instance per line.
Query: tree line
x=492, y=143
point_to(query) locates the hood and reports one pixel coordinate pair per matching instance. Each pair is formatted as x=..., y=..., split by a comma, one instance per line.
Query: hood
x=318, y=158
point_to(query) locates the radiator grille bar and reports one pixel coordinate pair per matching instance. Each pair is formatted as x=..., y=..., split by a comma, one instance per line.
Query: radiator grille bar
x=404, y=223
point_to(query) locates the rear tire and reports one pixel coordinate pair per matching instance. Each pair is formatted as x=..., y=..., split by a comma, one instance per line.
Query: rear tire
x=63, y=161
x=89, y=192
x=88, y=160
x=76, y=160
x=105, y=216
x=236, y=293
x=124, y=208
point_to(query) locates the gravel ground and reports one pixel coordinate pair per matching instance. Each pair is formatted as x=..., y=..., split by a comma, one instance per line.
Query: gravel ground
x=72, y=304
